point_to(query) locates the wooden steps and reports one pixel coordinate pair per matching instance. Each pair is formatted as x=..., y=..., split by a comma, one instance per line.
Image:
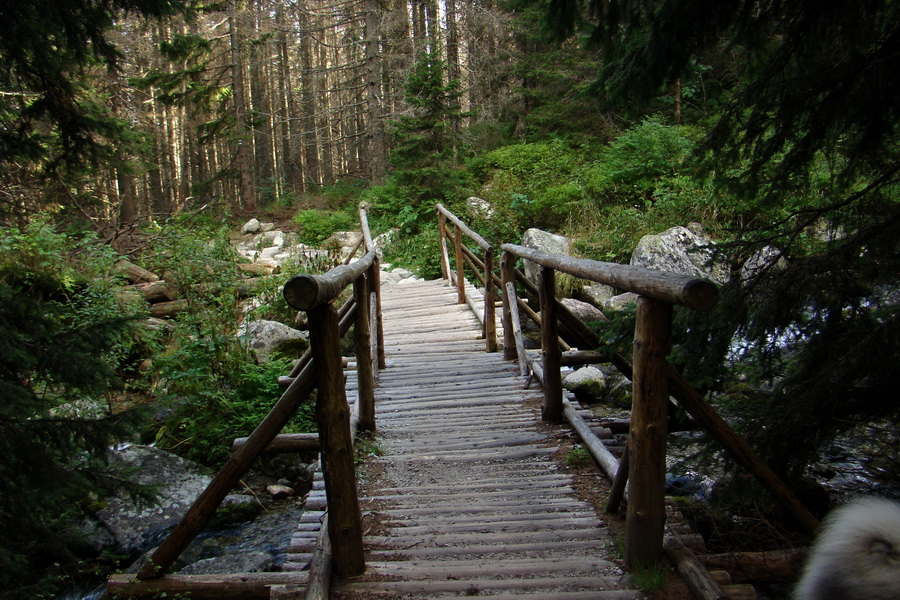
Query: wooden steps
x=466, y=498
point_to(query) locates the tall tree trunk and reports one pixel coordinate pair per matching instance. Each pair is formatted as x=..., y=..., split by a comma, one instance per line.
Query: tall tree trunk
x=453, y=68
x=244, y=156
x=309, y=92
x=290, y=132
x=375, y=134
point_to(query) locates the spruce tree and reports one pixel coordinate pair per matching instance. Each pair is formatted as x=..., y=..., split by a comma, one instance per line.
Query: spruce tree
x=804, y=141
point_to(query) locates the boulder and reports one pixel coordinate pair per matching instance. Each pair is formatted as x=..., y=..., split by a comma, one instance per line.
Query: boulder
x=242, y=562
x=136, y=526
x=621, y=302
x=679, y=250
x=279, y=491
x=544, y=241
x=598, y=293
x=587, y=383
x=479, y=207
x=584, y=311
x=764, y=259
x=265, y=337
x=250, y=227
x=344, y=241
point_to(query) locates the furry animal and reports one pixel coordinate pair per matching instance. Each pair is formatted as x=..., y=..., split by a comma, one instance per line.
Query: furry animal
x=857, y=554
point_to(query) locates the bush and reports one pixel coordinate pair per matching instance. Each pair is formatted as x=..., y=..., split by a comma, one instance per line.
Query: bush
x=317, y=225
x=62, y=340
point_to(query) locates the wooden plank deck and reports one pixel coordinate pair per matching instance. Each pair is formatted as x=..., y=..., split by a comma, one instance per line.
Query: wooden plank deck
x=465, y=498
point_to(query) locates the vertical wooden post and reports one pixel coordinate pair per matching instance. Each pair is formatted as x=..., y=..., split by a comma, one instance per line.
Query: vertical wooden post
x=445, y=255
x=552, y=411
x=460, y=277
x=333, y=416
x=647, y=438
x=363, y=342
x=490, y=308
x=507, y=275
x=374, y=280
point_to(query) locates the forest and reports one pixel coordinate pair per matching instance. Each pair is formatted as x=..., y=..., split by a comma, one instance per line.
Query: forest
x=151, y=129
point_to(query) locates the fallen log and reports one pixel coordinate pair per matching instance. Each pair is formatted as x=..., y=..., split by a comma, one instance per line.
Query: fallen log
x=233, y=586
x=163, y=310
x=134, y=273
x=697, y=578
x=157, y=291
x=768, y=566
x=284, y=443
x=259, y=268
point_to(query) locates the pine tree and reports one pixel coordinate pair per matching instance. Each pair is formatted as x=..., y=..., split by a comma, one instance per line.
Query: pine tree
x=805, y=142
x=58, y=333
x=426, y=146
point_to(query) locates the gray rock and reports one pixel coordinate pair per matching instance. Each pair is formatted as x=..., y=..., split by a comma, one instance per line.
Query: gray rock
x=177, y=482
x=265, y=337
x=621, y=302
x=584, y=311
x=266, y=227
x=544, y=241
x=280, y=491
x=598, y=293
x=679, y=250
x=243, y=562
x=250, y=227
x=344, y=241
x=764, y=259
x=479, y=207
x=587, y=383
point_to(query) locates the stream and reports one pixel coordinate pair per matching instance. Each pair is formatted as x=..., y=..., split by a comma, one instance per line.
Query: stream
x=269, y=534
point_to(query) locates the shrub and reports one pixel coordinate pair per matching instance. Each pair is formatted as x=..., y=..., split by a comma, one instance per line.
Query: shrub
x=317, y=225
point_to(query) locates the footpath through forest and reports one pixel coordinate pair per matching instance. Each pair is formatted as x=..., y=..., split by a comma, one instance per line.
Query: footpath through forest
x=467, y=497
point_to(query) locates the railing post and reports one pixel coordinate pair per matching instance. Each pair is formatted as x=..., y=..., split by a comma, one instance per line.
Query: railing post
x=645, y=518
x=363, y=342
x=445, y=255
x=460, y=277
x=377, y=322
x=552, y=356
x=490, y=296
x=507, y=274
x=333, y=416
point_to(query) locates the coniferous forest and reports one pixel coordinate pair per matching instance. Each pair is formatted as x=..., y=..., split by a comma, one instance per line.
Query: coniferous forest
x=151, y=129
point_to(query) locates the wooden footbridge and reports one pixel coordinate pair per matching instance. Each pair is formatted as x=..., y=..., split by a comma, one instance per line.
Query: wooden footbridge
x=466, y=496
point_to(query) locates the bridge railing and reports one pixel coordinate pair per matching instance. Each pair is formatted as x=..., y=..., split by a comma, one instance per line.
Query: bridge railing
x=321, y=368
x=482, y=269
x=642, y=466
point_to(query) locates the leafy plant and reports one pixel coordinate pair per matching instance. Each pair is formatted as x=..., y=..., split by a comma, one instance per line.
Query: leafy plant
x=62, y=342
x=317, y=225
x=578, y=457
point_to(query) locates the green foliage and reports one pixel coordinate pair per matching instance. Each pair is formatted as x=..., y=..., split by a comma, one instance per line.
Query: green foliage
x=650, y=578
x=426, y=144
x=317, y=225
x=578, y=458
x=538, y=183
x=62, y=342
x=419, y=252
x=46, y=110
x=217, y=397
x=207, y=376
x=633, y=165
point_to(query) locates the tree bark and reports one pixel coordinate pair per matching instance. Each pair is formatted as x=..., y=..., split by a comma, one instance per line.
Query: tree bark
x=244, y=157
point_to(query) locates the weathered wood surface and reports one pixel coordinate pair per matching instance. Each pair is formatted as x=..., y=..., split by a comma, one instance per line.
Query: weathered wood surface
x=466, y=497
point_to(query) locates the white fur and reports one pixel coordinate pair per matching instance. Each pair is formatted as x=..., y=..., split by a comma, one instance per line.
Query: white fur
x=857, y=554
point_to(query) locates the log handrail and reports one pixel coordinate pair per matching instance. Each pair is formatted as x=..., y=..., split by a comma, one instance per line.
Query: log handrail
x=464, y=256
x=308, y=292
x=653, y=380
x=674, y=288
x=321, y=366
